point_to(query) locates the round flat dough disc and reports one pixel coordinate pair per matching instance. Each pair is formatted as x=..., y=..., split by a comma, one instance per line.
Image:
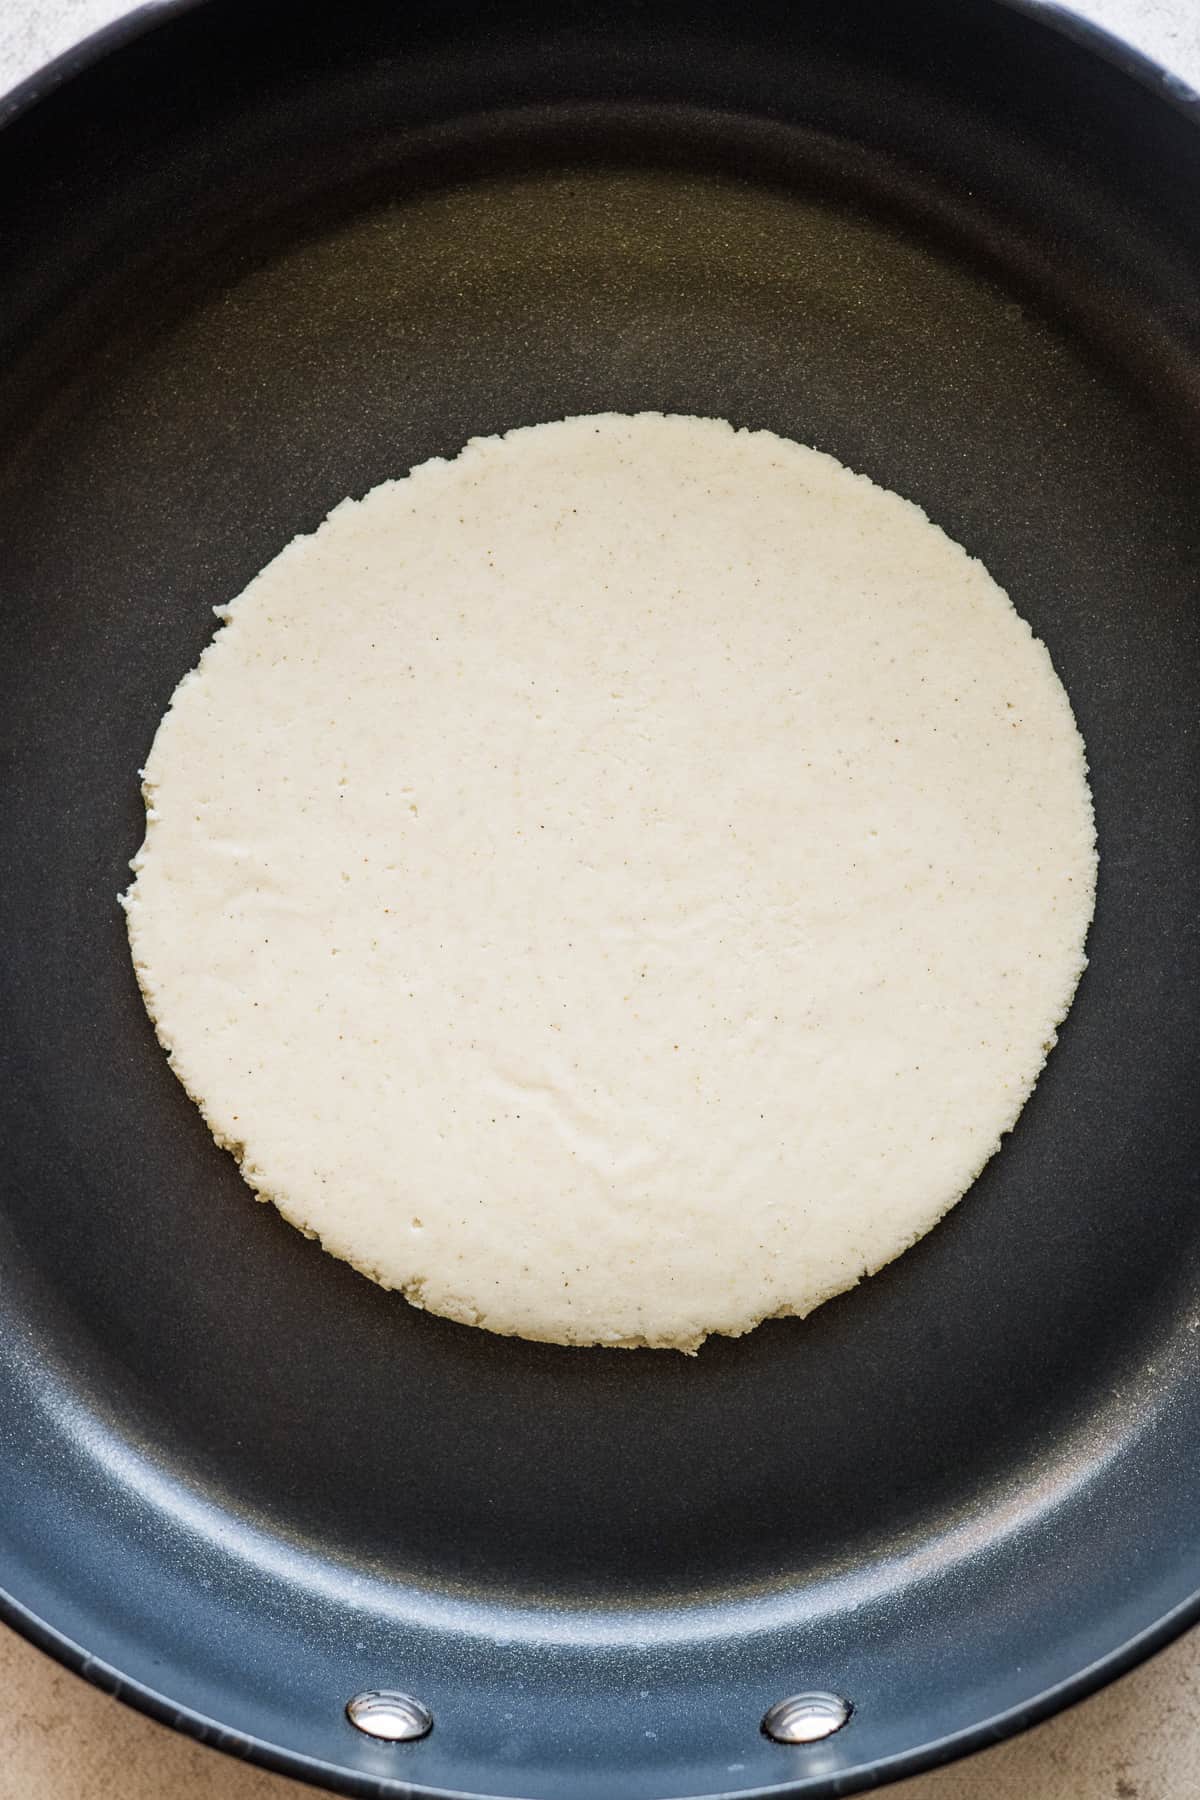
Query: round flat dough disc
x=619, y=884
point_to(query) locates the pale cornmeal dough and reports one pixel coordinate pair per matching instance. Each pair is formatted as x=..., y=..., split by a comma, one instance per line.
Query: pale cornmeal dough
x=619, y=884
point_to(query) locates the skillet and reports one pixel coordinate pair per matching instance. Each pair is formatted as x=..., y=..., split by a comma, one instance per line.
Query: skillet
x=258, y=257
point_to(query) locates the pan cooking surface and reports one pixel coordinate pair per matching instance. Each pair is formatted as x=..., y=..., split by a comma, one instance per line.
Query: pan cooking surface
x=257, y=263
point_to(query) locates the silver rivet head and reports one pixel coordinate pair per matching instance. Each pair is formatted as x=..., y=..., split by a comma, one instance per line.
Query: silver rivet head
x=806, y=1718
x=396, y=1718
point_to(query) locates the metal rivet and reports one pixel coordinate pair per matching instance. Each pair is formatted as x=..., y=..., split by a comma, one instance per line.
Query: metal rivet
x=397, y=1718
x=806, y=1718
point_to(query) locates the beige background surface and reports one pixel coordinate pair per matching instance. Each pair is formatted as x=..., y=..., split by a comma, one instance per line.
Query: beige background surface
x=62, y=1740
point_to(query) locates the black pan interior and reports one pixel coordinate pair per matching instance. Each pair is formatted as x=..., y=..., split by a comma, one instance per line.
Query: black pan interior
x=262, y=257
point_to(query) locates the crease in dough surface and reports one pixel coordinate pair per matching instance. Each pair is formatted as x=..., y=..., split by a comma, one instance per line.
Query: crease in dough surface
x=619, y=884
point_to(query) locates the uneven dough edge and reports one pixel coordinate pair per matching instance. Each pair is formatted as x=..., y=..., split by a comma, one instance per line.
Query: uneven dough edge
x=413, y=1291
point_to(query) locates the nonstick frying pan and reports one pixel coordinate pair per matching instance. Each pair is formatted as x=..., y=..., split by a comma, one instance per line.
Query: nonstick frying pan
x=259, y=257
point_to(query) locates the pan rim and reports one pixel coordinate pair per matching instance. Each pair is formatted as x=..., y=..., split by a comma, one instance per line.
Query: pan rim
x=917, y=1761
x=1168, y=88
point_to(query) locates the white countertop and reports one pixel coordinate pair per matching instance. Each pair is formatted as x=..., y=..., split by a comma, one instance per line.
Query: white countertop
x=62, y=1740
